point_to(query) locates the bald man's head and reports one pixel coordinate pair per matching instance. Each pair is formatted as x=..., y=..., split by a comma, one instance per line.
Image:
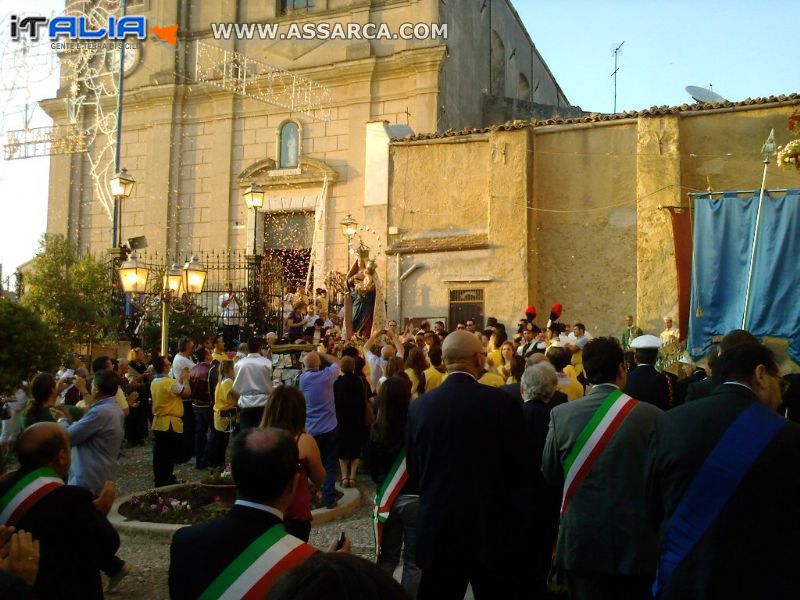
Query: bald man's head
x=44, y=445
x=264, y=465
x=388, y=352
x=311, y=361
x=463, y=351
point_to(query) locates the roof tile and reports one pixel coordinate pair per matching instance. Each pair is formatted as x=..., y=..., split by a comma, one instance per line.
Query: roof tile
x=653, y=111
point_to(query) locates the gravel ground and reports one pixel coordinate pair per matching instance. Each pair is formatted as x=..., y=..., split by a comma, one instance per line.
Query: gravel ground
x=149, y=557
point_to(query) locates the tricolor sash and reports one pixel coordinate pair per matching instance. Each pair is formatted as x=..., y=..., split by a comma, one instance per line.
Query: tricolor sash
x=26, y=492
x=254, y=571
x=593, y=440
x=385, y=496
x=714, y=484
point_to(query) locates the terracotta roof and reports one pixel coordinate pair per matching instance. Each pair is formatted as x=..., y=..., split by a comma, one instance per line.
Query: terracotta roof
x=653, y=111
x=476, y=241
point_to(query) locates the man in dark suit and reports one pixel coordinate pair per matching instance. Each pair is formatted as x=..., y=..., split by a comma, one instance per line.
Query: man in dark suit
x=645, y=383
x=264, y=467
x=705, y=385
x=538, y=383
x=748, y=546
x=703, y=388
x=76, y=539
x=465, y=447
x=605, y=546
x=698, y=374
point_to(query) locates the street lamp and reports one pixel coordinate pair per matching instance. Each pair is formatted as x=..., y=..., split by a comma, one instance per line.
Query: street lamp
x=133, y=275
x=349, y=229
x=121, y=188
x=194, y=276
x=254, y=198
x=178, y=282
x=173, y=281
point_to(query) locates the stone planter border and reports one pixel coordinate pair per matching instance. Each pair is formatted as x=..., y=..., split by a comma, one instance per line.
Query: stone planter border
x=348, y=504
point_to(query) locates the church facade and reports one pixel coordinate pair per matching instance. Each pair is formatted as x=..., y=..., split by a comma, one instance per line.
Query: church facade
x=194, y=146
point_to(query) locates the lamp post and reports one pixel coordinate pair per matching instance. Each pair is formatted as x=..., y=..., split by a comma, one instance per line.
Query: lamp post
x=121, y=188
x=349, y=229
x=254, y=198
x=177, y=282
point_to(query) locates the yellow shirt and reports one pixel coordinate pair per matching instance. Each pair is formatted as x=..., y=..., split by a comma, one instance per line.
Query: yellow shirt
x=577, y=361
x=496, y=356
x=221, y=403
x=492, y=379
x=433, y=378
x=572, y=388
x=219, y=356
x=414, y=382
x=167, y=405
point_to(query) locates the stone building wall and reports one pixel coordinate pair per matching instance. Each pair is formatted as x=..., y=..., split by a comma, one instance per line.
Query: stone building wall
x=597, y=235
x=585, y=242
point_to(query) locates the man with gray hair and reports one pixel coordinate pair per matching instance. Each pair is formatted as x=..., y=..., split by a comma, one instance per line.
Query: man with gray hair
x=539, y=383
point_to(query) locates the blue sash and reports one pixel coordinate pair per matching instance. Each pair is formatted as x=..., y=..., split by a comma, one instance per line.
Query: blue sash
x=714, y=484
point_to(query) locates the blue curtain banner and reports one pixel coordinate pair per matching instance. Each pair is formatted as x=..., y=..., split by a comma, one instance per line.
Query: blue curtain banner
x=722, y=247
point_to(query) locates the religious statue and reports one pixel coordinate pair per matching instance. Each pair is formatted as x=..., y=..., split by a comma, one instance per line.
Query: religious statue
x=364, y=298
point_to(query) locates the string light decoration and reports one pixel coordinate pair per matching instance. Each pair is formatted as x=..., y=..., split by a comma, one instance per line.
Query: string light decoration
x=91, y=85
x=251, y=78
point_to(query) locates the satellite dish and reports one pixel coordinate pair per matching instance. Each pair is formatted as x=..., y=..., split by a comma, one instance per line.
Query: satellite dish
x=703, y=95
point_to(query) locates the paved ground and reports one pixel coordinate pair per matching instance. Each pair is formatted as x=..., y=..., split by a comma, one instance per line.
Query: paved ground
x=149, y=557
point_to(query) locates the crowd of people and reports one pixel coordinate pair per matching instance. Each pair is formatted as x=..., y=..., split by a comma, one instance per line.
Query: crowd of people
x=526, y=463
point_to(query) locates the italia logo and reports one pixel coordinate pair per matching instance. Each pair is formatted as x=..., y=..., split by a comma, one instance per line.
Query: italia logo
x=79, y=28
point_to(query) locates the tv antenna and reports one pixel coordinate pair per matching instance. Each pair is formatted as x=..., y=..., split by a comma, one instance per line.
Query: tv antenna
x=614, y=74
x=701, y=94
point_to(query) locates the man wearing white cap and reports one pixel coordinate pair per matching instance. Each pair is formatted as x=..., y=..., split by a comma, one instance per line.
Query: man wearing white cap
x=644, y=382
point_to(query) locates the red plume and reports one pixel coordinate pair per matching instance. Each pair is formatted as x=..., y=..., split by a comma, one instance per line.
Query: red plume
x=530, y=312
x=555, y=311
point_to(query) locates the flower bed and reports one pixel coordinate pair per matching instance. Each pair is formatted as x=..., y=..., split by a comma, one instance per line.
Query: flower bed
x=186, y=506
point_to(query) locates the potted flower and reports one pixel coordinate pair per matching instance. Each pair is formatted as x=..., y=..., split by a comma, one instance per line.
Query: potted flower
x=219, y=482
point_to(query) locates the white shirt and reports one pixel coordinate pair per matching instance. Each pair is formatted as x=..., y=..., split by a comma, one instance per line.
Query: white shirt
x=376, y=366
x=253, y=380
x=179, y=363
x=270, y=509
x=229, y=312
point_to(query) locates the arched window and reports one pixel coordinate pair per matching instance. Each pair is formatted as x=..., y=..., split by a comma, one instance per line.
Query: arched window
x=524, y=88
x=289, y=148
x=498, y=83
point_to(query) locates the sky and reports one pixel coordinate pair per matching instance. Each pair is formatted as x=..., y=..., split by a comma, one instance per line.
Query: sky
x=739, y=48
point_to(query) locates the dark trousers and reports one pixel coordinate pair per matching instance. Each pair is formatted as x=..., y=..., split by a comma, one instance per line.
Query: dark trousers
x=603, y=586
x=187, y=450
x=217, y=445
x=299, y=529
x=250, y=417
x=449, y=577
x=136, y=422
x=329, y=452
x=203, y=422
x=166, y=450
x=111, y=566
x=399, y=532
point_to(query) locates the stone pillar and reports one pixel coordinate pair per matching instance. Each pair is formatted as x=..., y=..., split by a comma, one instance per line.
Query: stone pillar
x=658, y=183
